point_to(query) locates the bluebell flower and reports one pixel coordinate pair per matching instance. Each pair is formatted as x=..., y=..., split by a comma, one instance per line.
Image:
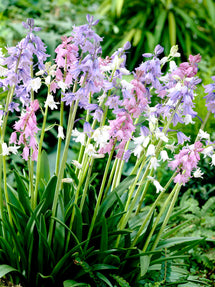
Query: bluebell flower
x=182, y=138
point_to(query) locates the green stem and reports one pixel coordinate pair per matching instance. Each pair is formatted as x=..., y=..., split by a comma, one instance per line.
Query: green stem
x=104, y=117
x=203, y=124
x=5, y=119
x=151, y=211
x=72, y=114
x=155, y=223
x=110, y=177
x=61, y=123
x=99, y=197
x=80, y=183
x=1, y=180
x=32, y=75
x=86, y=184
x=175, y=191
x=118, y=163
x=30, y=161
x=137, y=164
x=59, y=139
x=144, y=192
x=81, y=152
x=34, y=197
x=129, y=207
x=6, y=192
x=80, y=159
x=30, y=174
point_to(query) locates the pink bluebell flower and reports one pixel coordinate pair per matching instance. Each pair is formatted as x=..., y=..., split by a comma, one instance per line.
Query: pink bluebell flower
x=27, y=129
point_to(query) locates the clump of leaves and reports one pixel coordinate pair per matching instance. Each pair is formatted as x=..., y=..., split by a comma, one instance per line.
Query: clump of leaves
x=200, y=222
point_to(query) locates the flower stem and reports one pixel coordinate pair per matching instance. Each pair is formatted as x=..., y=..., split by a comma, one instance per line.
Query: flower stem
x=34, y=196
x=146, y=220
x=144, y=192
x=5, y=191
x=129, y=207
x=86, y=184
x=203, y=124
x=59, y=139
x=72, y=114
x=99, y=196
x=175, y=191
x=110, y=177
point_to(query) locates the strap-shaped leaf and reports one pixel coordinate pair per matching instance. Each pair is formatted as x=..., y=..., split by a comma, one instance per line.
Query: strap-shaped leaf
x=5, y=269
x=111, y=198
x=44, y=174
x=23, y=194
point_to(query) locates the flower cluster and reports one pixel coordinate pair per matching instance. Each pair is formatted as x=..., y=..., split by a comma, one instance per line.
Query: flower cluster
x=19, y=65
x=186, y=161
x=27, y=129
x=120, y=131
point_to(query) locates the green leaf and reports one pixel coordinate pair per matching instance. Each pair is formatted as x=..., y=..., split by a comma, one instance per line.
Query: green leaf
x=17, y=241
x=160, y=25
x=160, y=260
x=8, y=251
x=111, y=198
x=119, y=5
x=104, y=236
x=150, y=40
x=14, y=201
x=5, y=269
x=189, y=20
x=78, y=225
x=50, y=127
x=183, y=241
x=172, y=28
x=23, y=194
x=144, y=264
x=175, y=229
x=64, y=263
x=72, y=283
x=72, y=174
x=211, y=10
x=96, y=267
x=44, y=174
x=48, y=194
x=104, y=278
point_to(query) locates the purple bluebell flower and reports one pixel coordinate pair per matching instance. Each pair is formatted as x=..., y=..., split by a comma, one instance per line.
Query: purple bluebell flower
x=182, y=138
x=149, y=72
x=144, y=131
x=210, y=97
x=86, y=38
x=158, y=50
x=147, y=55
x=97, y=115
x=87, y=128
x=13, y=106
x=91, y=107
x=177, y=119
x=68, y=98
x=29, y=25
x=126, y=155
x=113, y=102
